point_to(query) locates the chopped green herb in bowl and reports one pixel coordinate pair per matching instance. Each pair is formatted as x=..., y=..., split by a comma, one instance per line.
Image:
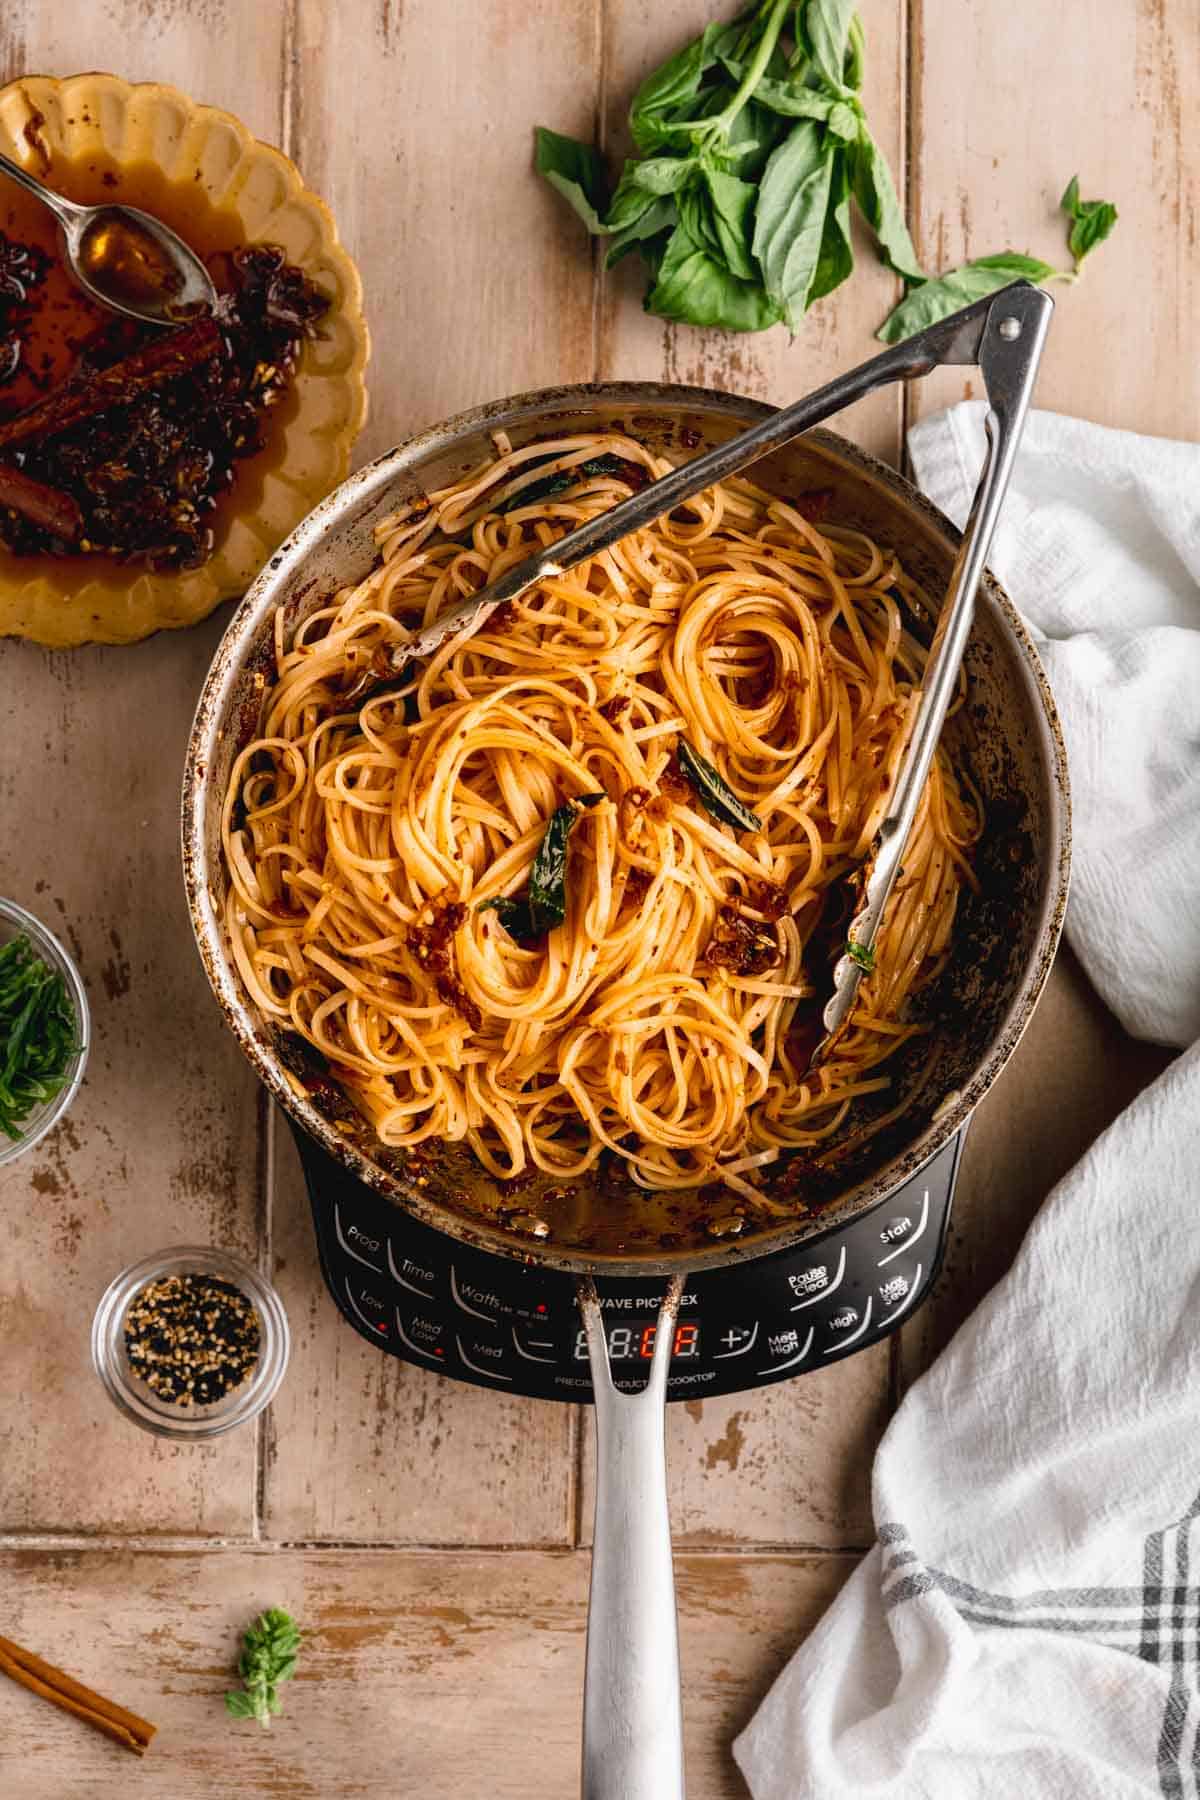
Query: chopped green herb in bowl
x=43, y=1030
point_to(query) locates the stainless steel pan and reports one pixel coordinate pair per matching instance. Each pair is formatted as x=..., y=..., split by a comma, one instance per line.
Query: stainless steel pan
x=1004, y=946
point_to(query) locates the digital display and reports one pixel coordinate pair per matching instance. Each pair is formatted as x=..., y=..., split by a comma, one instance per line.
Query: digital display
x=635, y=1343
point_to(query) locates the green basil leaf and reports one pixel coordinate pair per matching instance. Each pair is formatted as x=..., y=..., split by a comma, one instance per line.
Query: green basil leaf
x=545, y=903
x=827, y=34
x=844, y=122
x=836, y=259
x=694, y=288
x=751, y=137
x=664, y=174
x=629, y=201
x=787, y=99
x=876, y=195
x=674, y=85
x=714, y=792
x=575, y=170
x=944, y=294
x=856, y=48
x=657, y=221
x=732, y=212
x=790, y=219
x=1091, y=220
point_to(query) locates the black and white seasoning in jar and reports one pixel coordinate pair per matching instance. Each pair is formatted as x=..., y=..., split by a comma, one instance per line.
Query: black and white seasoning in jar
x=190, y=1343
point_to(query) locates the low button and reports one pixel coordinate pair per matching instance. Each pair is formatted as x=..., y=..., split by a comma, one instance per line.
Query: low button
x=368, y=1307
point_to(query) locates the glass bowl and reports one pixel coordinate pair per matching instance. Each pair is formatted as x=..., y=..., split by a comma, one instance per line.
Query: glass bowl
x=131, y=1395
x=16, y=922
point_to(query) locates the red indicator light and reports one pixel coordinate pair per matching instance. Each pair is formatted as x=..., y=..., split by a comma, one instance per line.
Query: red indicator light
x=541, y=1306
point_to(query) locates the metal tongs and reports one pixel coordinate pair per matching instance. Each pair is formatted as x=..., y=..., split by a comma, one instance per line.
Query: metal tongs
x=1003, y=335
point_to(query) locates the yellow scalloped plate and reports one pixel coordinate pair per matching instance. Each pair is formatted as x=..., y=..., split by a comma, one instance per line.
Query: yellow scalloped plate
x=67, y=601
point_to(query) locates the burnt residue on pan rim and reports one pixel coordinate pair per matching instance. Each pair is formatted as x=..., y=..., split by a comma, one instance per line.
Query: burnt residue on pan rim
x=658, y=409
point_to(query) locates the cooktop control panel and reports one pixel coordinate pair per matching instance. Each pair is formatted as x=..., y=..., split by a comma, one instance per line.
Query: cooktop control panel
x=494, y=1322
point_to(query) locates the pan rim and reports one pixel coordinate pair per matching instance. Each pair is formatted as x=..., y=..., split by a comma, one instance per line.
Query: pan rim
x=338, y=509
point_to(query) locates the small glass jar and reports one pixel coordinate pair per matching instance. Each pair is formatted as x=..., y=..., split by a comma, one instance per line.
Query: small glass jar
x=138, y=1401
x=16, y=922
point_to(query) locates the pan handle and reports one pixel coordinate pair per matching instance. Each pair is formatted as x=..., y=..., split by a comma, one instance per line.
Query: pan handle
x=632, y=1719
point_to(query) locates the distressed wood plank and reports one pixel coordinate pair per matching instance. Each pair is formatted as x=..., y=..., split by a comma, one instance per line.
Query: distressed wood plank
x=786, y=1465
x=220, y=51
x=416, y=122
x=364, y=1446
x=768, y=365
x=161, y=1146
x=994, y=154
x=421, y=1674
x=1073, y=1072
x=471, y=296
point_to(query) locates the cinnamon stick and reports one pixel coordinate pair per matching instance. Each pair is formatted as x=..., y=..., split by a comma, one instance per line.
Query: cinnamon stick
x=42, y=504
x=63, y=1691
x=80, y=398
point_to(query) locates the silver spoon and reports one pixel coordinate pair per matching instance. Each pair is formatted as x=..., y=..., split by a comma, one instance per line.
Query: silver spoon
x=125, y=258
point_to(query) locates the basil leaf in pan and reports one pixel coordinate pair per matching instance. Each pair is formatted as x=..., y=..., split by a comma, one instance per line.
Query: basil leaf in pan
x=715, y=794
x=544, y=904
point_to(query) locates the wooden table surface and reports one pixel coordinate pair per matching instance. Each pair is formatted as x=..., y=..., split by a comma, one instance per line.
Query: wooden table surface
x=431, y=1537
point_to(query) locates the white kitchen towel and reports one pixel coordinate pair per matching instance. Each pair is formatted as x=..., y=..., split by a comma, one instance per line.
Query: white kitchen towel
x=1028, y=1622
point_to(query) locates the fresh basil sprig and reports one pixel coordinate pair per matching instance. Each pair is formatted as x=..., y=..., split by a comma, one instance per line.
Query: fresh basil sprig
x=544, y=904
x=1091, y=221
x=753, y=141
x=268, y=1658
x=714, y=792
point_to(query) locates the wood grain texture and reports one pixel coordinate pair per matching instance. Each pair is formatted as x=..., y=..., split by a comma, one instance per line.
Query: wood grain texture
x=1008, y=103
x=363, y=1446
x=837, y=333
x=785, y=1465
x=416, y=123
x=160, y=1146
x=421, y=1674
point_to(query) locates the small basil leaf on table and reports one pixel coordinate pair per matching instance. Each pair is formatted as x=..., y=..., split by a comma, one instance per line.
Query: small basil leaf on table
x=575, y=170
x=856, y=47
x=876, y=195
x=692, y=286
x=943, y=294
x=790, y=220
x=1091, y=220
x=545, y=903
x=714, y=792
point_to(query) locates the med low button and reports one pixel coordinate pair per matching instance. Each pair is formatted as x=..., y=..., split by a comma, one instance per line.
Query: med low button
x=425, y=1337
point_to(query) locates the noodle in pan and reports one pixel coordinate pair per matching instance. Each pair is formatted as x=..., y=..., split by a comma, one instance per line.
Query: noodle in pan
x=681, y=747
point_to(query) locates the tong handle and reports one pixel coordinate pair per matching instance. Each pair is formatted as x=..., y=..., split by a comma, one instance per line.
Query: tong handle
x=955, y=339
x=1010, y=350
